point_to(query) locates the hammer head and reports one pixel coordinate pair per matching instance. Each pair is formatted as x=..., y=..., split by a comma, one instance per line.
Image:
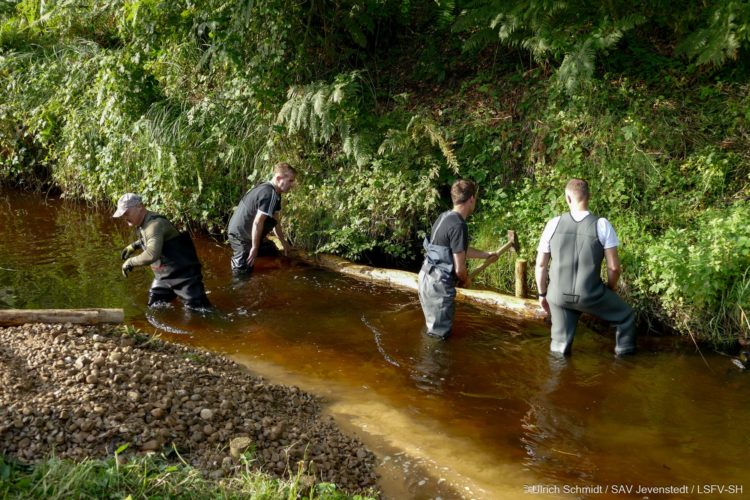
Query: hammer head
x=513, y=240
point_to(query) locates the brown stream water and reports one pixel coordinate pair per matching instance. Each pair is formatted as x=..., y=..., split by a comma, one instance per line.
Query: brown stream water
x=487, y=414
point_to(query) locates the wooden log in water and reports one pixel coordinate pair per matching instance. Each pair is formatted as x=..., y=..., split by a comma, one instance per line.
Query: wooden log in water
x=13, y=317
x=493, y=301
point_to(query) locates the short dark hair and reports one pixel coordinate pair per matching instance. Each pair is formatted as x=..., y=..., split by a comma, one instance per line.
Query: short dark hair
x=462, y=190
x=283, y=168
x=579, y=188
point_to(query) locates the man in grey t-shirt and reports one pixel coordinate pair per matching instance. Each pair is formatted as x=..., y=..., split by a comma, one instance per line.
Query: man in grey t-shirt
x=257, y=214
x=444, y=266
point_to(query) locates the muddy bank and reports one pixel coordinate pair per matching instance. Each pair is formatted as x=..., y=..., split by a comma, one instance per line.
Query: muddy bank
x=85, y=391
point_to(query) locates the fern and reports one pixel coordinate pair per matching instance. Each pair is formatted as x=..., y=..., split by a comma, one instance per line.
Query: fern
x=551, y=30
x=728, y=29
x=577, y=66
x=325, y=111
x=420, y=126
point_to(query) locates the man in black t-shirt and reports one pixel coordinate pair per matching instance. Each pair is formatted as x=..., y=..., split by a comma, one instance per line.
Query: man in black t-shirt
x=444, y=265
x=257, y=213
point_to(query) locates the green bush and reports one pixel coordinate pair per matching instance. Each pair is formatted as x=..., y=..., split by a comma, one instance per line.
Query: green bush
x=700, y=272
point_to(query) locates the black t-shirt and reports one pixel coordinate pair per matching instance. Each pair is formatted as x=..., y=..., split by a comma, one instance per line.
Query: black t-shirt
x=450, y=230
x=263, y=198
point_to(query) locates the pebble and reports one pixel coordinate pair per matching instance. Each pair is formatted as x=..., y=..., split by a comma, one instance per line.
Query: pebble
x=152, y=445
x=88, y=399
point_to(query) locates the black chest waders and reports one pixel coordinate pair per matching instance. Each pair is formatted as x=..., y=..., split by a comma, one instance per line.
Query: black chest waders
x=575, y=286
x=241, y=248
x=437, y=287
x=177, y=273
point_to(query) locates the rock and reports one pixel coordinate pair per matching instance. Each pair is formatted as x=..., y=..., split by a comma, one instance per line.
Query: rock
x=276, y=431
x=239, y=445
x=87, y=402
x=152, y=445
x=81, y=362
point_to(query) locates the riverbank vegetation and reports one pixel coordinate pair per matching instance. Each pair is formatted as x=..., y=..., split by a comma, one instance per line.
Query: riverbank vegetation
x=148, y=477
x=382, y=103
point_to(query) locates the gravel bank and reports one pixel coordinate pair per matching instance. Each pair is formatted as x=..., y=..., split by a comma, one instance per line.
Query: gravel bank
x=84, y=391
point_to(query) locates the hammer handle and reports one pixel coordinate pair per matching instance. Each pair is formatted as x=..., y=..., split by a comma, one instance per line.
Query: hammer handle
x=481, y=268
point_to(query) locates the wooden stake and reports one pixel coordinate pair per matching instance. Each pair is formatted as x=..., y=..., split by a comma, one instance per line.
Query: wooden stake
x=522, y=290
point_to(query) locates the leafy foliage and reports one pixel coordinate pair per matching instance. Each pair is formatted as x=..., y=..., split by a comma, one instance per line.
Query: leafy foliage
x=727, y=31
x=572, y=34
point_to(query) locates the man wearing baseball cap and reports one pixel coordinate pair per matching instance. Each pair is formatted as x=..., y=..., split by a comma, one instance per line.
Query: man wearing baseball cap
x=170, y=253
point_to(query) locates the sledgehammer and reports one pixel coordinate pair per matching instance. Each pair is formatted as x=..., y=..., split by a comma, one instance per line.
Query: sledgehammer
x=512, y=244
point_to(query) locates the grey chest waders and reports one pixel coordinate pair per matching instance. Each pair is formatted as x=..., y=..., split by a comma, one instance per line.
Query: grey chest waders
x=575, y=286
x=437, y=286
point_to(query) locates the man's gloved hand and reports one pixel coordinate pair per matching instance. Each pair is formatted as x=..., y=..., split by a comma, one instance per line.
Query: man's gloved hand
x=126, y=268
x=128, y=250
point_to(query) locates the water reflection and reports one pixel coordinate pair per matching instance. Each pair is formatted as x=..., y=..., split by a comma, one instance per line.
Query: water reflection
x=432, y=364
x=554, y=431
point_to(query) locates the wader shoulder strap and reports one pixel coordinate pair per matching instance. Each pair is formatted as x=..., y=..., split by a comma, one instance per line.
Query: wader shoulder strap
x=440, y=221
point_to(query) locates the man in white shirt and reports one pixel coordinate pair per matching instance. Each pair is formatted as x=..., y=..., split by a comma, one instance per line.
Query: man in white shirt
x=576, y=243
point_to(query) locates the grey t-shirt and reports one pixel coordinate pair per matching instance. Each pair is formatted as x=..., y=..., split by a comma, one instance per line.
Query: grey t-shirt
x=262, y=198
x=450, y=230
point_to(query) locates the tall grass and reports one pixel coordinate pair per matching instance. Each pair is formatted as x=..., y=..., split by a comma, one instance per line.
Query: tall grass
x=151, y=477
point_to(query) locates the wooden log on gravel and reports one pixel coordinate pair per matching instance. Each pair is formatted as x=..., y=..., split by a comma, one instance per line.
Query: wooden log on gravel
x=14, y=317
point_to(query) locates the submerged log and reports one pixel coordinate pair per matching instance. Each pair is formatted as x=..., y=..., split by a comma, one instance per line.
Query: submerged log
x=13, y=317
x=493, y=301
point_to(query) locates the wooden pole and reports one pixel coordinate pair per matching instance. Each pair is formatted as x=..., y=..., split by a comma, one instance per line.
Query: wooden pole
x=522, y=290
x=13, y=317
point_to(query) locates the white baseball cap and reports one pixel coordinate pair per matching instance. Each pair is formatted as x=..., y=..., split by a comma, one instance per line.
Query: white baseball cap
x=126, y=201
